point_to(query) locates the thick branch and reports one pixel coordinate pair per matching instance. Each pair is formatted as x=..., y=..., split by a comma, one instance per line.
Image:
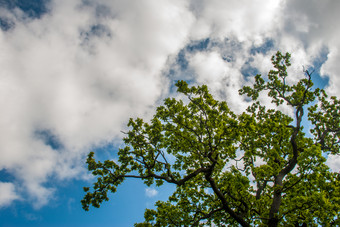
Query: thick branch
x=278, y=183
x=260, y=188
x=225, y=205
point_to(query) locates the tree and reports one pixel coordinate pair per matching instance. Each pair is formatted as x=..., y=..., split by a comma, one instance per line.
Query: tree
x=255, y=168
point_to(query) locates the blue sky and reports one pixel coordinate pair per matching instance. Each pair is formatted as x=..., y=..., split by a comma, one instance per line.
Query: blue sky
x=72, y=72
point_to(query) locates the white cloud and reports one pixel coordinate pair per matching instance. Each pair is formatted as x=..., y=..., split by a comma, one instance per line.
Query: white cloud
x=331, y=68
x=244, y=20
x=212, y=70
x=314, y=25
x=333, y=161
x=151, y=192
x=8, y=194
x=62, y=76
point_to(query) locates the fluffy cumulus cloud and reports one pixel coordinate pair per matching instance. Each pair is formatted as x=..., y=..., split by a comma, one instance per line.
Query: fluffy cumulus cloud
x=311, y=26
x=333, y=162
x=151, y=192
x=8, y=194
x=72, y=77
x=212, y=70
x=246, y=21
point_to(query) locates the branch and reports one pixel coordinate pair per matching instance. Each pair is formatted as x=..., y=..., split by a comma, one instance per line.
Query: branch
x=211, y=213
x=292, y=162
x=260, y=188
x=225, y=205
x=167, y=179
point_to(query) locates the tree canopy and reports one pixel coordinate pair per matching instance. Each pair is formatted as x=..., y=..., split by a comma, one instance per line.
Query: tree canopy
x=255, y=168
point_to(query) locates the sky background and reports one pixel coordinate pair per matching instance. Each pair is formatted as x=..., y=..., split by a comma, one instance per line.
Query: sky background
x=72, y=72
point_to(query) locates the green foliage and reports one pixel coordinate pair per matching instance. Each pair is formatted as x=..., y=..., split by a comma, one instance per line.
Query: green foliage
x=256, y=168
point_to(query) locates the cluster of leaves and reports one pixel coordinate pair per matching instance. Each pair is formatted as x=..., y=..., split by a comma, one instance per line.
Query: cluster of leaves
x=256, y=168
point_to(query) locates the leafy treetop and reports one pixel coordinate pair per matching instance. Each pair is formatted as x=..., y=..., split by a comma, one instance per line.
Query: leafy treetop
x=256, y=168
